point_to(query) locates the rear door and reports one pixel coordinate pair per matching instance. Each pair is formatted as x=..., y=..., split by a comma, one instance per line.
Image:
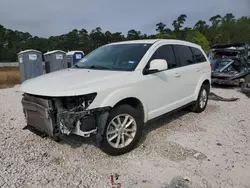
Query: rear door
x=188, y=71
x=202, y=65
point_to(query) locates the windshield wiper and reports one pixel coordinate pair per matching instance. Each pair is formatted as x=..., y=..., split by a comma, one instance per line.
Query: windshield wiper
x=97, y=67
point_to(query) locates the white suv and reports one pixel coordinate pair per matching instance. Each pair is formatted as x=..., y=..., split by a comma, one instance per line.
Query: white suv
x=116, y=89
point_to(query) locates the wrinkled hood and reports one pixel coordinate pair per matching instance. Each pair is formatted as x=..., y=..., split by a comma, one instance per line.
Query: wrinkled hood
x=72, y=82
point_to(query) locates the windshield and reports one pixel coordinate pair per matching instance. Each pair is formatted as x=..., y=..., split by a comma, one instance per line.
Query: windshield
x=124, y=57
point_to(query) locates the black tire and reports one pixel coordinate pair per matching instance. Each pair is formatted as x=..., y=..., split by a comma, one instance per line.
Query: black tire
x=196, y=107
x=122, y=109
x=56, y=137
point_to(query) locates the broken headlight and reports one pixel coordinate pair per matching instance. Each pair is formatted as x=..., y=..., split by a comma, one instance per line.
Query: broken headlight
x=77, y=103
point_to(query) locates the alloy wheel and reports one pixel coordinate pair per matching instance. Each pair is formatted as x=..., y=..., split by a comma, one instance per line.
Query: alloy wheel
x=121, y=131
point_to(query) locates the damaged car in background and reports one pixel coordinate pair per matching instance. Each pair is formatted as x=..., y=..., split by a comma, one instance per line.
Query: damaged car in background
x=113, y=91
x=230, y=63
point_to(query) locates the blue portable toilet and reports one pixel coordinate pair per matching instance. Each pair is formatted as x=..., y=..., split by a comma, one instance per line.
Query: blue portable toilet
x=73, y=57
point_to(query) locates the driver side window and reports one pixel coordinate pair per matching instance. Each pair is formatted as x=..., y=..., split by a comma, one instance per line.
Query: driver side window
x=165, y=52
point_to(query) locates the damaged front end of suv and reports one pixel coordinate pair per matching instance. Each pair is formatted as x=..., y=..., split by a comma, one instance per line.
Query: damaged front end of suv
x=230, y=65
x=56, y=116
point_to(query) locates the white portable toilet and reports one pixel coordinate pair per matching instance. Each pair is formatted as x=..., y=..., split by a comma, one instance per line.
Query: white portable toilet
x=55, y=60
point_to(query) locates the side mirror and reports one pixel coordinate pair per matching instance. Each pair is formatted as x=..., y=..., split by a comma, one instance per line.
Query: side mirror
x=157, y=65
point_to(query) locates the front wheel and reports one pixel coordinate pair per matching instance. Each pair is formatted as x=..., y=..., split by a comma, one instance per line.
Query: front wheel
x=122, y=131
x=201, y=102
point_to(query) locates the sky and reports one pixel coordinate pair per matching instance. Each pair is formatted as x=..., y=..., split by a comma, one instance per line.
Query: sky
x=45, y=18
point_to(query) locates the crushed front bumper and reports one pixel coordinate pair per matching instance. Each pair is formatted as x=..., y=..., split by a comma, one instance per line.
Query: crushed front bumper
x=234, y=82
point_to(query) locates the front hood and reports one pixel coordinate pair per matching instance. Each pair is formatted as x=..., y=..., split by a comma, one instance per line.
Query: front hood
x=72, y=82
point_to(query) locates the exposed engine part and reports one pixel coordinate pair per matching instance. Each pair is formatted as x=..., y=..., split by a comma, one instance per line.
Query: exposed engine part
x=78, y=131
x=87, y=123
x=82, y=123
x=213, y=96
x=85, y=119
x=69, y=118
x=72, y=109
x=56, y=116
x=71, y=103
x=63, y=129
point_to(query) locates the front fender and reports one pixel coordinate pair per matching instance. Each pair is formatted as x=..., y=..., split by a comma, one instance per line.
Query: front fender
x=112, y=98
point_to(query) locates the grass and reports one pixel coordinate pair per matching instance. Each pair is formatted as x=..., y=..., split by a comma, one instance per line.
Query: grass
x=9, y=76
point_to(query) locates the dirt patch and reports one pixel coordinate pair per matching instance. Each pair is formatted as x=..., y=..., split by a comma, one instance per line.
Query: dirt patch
x=176, y=152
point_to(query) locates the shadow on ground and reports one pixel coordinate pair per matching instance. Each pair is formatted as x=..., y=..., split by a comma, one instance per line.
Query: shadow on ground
x=74, y=141
x=222, y=86
x=162, y=121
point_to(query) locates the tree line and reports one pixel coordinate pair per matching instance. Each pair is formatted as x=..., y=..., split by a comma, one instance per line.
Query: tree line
x=219, y=29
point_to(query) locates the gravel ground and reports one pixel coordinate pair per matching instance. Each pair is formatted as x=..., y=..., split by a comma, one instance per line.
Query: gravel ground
x=186, y=150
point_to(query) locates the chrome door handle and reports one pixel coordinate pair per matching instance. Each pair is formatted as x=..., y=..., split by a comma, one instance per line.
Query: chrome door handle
x=177, y=74
x=198, y=69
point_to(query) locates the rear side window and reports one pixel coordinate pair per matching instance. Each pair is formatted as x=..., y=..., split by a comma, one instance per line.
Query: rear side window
x=165, y=52
x=198, y=55
x=184, y=55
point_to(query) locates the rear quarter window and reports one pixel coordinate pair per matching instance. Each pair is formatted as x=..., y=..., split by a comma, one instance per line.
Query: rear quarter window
x=198, y=55
x=184, y=55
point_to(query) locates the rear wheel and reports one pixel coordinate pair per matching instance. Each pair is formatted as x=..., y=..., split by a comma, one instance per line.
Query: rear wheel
x=201, y=102
x=122, y=131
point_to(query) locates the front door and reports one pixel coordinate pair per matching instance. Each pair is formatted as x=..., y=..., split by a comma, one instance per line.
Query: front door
x=162, y=88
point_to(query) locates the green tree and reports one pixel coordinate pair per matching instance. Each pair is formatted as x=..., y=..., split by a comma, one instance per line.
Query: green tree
x=228, y=28
x=178, y=24
x=133, y=35
x=220, y=29
x=163, y=32
x=198, y=38
x=216, y=20
x=201, y=26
